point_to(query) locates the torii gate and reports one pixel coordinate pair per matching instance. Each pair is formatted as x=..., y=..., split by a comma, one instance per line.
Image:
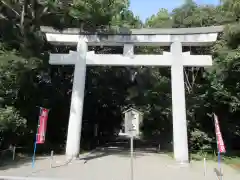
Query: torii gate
x=175, y=38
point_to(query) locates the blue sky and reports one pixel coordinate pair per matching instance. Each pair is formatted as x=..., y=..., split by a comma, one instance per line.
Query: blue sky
x=145, y=8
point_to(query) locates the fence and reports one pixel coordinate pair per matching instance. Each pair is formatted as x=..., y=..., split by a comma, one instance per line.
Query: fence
x=6, y=152
x=10, y=155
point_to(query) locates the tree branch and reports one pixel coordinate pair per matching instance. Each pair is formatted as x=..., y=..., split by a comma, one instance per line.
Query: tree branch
x=3, y=17
x=188, y=85
x=8, y=6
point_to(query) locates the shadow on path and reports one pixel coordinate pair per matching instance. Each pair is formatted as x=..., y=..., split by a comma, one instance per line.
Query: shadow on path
x=121, y=147
x=19, y=161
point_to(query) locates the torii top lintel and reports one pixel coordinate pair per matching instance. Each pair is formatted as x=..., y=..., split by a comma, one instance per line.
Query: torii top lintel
x=200, y=36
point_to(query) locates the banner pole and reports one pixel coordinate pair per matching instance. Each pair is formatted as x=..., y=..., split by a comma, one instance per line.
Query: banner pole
x=35, y=143
x=219, y=163
x=34, y=152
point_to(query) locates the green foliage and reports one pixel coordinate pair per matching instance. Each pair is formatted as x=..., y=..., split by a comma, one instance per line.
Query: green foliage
x=12, y=67
x=161, y=20
x=12, y=126
x=200, y=140
x=10, y=119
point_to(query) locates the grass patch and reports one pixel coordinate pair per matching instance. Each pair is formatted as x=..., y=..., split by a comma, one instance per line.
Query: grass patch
x=233, y=161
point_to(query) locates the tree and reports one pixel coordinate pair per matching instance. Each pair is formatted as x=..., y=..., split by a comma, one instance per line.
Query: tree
x=161, y=20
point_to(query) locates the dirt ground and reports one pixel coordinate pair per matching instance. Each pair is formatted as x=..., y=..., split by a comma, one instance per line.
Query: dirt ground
x=114, y=164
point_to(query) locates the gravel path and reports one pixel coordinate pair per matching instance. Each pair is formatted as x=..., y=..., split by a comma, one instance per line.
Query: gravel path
x=116, y=166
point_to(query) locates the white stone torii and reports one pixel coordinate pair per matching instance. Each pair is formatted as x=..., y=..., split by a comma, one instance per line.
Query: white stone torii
x=175, y=58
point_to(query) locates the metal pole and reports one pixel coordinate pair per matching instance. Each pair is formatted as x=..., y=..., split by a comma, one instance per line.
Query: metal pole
x=51, y=159
x=35, y=143
x=159, y=147
x=14, y=151
x=131, y=149
x=219, y=163
x=205, y=166
x=34, y=152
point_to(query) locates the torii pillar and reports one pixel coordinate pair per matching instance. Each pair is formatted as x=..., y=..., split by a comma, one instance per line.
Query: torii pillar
x=77, y=99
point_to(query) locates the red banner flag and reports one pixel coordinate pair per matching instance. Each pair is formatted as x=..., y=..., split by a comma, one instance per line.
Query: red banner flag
x=42, y=126
x=220, y=143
